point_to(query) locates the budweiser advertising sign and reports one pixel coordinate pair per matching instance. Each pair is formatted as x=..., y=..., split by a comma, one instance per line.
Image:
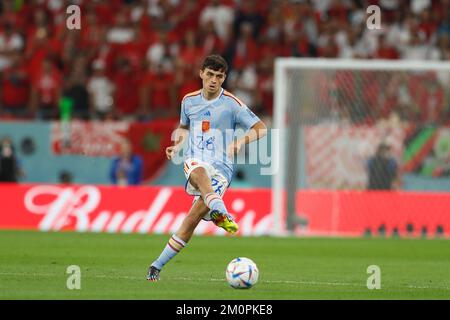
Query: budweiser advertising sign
x=88, y=208
x=91, y=208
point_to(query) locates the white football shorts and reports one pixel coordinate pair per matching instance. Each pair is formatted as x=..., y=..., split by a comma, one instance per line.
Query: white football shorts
x=218, y=182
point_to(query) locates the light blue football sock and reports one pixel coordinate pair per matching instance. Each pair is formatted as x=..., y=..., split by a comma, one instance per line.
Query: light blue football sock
x=215, y=202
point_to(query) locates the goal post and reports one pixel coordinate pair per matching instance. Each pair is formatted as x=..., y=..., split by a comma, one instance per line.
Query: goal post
x=324, y=105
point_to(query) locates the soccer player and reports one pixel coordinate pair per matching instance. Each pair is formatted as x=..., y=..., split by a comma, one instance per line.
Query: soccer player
x=208, y=120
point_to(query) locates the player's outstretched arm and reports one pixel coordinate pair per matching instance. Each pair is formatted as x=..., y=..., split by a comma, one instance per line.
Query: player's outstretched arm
x=179, y=136
x=256, y=132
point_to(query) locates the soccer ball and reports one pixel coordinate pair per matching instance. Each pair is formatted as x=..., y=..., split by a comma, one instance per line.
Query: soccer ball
x=242, y=273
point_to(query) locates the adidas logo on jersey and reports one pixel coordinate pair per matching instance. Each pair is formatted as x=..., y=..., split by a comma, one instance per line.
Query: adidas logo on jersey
x=207, y=113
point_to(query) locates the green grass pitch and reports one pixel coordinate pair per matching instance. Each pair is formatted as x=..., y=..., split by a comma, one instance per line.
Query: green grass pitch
x=113, y=266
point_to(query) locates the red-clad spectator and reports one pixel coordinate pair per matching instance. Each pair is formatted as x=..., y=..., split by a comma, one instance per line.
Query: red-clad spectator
x=440, y=10
x=427, y=24
x=122, y=31
x=139, y=16
x=297, y=44
x=40, y=44
x=69, y=49
x=186, y=17
x=243, y=82
x=41, y=22
x=163, y=47
x=134, y=51
x=346, y=41
x=103, y=53
x=273, y=27
x=264, y=87
x=75, y=88
x=126, y=97
x=288, y=12
x=431, y=100
x=101, y=92
x=59, y=40
x=327, y=46
x=162, y=14
x=390, y=100
x=92, y=31
x=158, y=92
x=187, y=80
x=442, y=49
x=414, y=84
x=46, y=91
x=389, y=8
x=17, y=18
x=15, y=88
x=248, y=12
x=57, y=11
x=10, y=43
x=374, y=94
x=326, y=94
x=338, y=10
x=344, y=84
x=272, y=46
x=190, y=52
x=222, y=15
x=245, y=47
x=163, y=31
x=329, y=50
x=417, y=49
x=212, y=44
x=263, y=7
x=385, y=51
x=105, y=10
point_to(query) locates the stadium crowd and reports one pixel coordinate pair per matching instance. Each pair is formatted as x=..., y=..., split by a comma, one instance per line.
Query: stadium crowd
x=136, y=59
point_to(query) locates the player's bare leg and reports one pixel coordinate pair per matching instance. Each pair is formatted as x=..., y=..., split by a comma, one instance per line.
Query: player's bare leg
x=191, y=221
x=180, y=239
x=219, y=214
x=201, y=181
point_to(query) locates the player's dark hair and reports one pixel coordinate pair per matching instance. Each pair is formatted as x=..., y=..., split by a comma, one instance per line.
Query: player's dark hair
x=216, y=63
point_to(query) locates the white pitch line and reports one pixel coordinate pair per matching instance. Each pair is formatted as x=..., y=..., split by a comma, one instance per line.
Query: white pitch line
x=314, y=283
x=104, y=276
x=427, y=287
x=283, y=281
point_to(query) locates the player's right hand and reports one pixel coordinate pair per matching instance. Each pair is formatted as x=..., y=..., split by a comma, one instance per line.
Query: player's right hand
x=170, y=151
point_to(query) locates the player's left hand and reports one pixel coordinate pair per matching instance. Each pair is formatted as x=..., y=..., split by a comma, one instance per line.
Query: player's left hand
x=234, y=148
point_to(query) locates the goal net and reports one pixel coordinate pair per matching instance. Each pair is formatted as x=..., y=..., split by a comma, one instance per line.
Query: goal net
x=333, y=116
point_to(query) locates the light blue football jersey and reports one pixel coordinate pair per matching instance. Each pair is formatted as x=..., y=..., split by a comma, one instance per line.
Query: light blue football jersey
x=212, y=125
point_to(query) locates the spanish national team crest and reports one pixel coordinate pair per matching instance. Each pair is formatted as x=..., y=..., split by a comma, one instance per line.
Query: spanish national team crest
x=205, y=125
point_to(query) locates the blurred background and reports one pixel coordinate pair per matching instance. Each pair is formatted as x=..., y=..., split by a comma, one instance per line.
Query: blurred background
x=98, y=105
x=134, y=61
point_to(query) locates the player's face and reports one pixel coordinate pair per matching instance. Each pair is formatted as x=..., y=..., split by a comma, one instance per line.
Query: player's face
x=212, y=80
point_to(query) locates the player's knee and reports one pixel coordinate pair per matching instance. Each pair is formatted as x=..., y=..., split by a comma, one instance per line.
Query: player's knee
x=197, y=175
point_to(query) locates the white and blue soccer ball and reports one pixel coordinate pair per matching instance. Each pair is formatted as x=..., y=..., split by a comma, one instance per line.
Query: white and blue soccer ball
x=242, y=273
